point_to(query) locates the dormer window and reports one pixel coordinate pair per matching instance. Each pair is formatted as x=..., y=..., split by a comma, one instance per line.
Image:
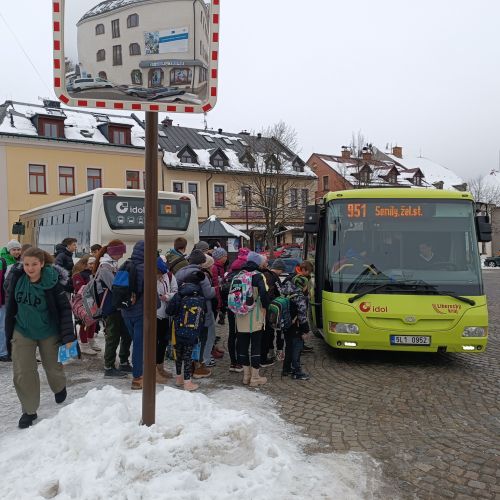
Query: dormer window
x=118, y=135
x=247, y=161
x=417, y=180
x=219, y=159
x=271, y=163
x=365, y=174
x=298, y=165
x=218, y=162
x=50, y=127
x=187, y=155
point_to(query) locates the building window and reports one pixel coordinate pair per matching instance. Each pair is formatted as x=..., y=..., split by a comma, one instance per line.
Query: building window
x=186, y=158
x=294, y=197
x=271, y=197
x=117, y=55
x=38, y=184
x=50, y=130
x=418, y=180
x=326, y=183
x=298, y=167
x=67, y=180
x=136, y=77
x=305, y=197
x=181, y=76
x=99, y=29
x=103, y=75
x=365, y=175
x=133, y=179
x=115, y=28
x=119, y=137
x=219, y=195
x=132, y=21
x=101, y=55
x=135, y=49
x=217, y=161
x=246, y=196
x=94, y=178
x=193, y=189
x=178, y=187
x=392, y=179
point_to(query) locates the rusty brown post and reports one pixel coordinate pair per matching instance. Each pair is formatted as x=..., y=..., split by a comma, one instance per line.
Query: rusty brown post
x=150, y=255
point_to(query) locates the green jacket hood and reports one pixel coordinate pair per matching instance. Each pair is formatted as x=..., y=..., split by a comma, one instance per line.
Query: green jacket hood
x=4, y=254
x=50, y=277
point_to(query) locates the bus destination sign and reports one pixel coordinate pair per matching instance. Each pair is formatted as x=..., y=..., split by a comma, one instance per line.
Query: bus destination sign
x=391, y=211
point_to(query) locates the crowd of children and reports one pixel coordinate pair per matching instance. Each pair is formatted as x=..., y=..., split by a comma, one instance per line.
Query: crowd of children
x=266, y=314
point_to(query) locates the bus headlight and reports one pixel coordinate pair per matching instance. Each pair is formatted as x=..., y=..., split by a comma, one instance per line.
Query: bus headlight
x=343, y=327
x=475, y=331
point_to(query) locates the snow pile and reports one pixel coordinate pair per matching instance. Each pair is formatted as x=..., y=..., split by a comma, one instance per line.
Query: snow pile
x=200, y=448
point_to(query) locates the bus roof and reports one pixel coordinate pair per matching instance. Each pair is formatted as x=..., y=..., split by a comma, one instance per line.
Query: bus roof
x=101, y=191
x=382, y=193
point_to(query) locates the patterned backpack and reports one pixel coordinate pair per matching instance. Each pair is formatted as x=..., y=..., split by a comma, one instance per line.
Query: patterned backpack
x=240, y=299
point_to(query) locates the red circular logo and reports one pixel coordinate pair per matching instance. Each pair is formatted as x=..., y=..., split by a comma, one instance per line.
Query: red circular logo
x=365, y=307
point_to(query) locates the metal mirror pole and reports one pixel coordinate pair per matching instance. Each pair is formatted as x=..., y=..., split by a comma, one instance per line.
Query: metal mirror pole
x=150, y=256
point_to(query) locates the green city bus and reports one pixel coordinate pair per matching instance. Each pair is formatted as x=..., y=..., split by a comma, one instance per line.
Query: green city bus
x=398, y=269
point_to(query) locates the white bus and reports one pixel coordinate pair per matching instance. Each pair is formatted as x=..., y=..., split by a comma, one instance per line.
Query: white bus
x=103, y=215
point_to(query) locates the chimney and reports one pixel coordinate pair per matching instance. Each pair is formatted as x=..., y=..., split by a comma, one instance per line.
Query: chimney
x=259, y=136
x=244, y=132
x=397, y=151
x=220, y=131
x=366, y=154
x=346, y=152
x=167, y=122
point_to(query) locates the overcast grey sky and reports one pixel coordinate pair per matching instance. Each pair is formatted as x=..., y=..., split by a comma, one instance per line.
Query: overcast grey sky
x=423, y=74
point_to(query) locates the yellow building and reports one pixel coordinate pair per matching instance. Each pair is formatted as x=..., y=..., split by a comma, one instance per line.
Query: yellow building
x=48, y=154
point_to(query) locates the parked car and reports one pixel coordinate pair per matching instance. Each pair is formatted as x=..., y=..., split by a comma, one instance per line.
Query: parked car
x=91, y=83
x=142, y=92
x=492, y=262
x=168, y=92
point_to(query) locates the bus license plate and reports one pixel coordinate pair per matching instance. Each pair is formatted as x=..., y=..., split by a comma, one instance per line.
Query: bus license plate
x=410, y=340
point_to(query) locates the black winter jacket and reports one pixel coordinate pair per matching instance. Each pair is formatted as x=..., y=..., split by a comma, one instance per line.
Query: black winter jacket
x=57, y=301
x=64, y=258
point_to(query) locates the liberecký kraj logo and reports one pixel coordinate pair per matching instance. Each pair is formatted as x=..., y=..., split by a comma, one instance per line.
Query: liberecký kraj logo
x=366, y=307
x=447, y=308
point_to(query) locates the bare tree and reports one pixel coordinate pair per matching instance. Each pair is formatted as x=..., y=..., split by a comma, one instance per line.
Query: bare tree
x=485, y=190
x=275, y=189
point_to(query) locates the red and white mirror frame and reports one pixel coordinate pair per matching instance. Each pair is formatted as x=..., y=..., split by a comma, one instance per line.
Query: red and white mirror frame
x=60, y=76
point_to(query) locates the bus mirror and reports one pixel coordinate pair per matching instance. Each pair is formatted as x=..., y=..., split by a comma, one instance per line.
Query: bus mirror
x=311, y=221
x=18, y=228
x=483, y=228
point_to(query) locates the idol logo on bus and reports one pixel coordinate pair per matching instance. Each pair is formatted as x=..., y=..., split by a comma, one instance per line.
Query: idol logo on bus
x=447, y=308
x=122, y=207
x=366, y=307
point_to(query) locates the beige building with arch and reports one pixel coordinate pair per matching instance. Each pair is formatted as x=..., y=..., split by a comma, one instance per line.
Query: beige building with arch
x=147, y=43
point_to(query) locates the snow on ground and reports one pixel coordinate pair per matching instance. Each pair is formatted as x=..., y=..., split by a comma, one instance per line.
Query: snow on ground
x=227, y=445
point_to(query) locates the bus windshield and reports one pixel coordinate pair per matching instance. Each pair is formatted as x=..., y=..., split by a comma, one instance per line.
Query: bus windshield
x=428, y=244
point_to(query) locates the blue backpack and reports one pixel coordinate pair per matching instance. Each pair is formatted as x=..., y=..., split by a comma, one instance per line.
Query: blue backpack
x=124, y=289
x=187, y=308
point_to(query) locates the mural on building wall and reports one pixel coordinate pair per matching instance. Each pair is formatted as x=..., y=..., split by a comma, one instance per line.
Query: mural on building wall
x=118, y=50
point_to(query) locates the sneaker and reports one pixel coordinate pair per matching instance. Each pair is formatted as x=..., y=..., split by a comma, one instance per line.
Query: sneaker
x=86, y=349
x=126, y=367
x=211, y=363
x=114, y=373
x=5, y=359
x=93, y=345
x=27, y=420
x=300, y=376
x=60, y=396
x=280, y=355
x=307, y=348
x=268, y=362
x=236, y=368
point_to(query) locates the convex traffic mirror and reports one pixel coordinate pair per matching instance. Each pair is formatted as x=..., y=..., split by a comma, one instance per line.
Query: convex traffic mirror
x=150, y=55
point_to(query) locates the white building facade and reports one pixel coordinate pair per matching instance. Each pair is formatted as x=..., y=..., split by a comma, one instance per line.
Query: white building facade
x=147, y=43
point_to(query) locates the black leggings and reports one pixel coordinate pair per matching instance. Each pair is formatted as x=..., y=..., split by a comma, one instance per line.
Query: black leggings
x=162, y=338
x=231, y=339
x=252, y=341
x=183, y=353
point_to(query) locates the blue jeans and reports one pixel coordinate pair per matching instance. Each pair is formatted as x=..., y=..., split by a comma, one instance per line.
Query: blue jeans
x=135, y=327
x=293, y=349
x=3, y=342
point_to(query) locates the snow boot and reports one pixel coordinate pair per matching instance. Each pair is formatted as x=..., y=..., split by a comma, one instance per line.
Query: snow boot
x=161, y=369
x=136, y=384
x=86, y=349
x=256, y=379
x=179, y=380
x=27, y=420
x=201, y=371
x=93, y=345
x=60, y=396
x=189, y=386
x=160, y=378
x=247, y=375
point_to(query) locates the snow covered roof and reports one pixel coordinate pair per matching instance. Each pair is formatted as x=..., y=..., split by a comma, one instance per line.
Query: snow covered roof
x=235, y=146
x=433, y=172
x=17, y=119
x=108, y=6
x=214, y=227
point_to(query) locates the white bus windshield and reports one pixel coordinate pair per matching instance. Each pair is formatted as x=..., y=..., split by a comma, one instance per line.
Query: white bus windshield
x=420, y=242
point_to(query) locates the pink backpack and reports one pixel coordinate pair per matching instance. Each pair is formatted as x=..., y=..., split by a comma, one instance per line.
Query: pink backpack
x=240, y=299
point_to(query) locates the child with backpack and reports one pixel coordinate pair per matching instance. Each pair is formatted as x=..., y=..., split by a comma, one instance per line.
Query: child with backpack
x=188, y=309
x=80, y=276
x=248, y=300
x=302, y=280
x=166, y=286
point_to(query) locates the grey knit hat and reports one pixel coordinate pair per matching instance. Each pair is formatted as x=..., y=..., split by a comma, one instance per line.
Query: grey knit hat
x=218, y=253
x=13, y=244
x=202, y=245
